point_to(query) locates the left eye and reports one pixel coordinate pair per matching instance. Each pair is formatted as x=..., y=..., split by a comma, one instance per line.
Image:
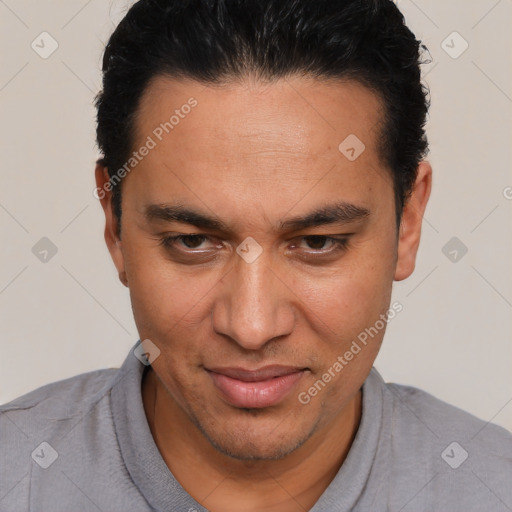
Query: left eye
x=314, y=241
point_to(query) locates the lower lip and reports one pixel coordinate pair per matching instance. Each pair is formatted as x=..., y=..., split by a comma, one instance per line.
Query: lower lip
x=255, y=395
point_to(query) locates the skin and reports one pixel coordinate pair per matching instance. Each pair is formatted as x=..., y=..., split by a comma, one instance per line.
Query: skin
x=252, y=154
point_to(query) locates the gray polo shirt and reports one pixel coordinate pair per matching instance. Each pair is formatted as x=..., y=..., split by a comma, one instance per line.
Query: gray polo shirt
x=84, y=444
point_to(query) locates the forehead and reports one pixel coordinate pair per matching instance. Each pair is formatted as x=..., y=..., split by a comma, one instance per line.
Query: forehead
x=301, y=116
x=241, y=138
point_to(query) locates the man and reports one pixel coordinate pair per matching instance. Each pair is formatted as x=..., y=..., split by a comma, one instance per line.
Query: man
x=263, y=182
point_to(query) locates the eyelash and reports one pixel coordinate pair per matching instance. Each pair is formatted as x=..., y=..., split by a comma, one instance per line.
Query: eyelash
x=339, y=244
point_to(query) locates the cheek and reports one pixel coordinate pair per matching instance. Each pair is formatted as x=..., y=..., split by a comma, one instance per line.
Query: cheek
x=353, y=294
x=161, y=298
x=156, y=291
x=169, y=301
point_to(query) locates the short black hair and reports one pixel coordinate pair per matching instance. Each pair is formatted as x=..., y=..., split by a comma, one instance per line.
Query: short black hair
x=216, y=41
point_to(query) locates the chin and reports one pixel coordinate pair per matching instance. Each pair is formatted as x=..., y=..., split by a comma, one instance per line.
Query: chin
x=253, y=443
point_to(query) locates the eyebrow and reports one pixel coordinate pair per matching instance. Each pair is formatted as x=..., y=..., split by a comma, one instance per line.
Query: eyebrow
x=340, y=213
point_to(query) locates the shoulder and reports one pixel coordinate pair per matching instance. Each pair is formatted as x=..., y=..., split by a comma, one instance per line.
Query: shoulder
x=432, y=455
x=61, y=446
x=457, y=450
x=421, y=411
x=65, y=398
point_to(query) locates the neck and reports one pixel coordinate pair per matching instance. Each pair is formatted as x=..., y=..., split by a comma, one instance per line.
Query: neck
x=221, y=483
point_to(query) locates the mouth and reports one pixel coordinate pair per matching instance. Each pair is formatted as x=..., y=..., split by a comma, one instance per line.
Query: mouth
x=255, y=389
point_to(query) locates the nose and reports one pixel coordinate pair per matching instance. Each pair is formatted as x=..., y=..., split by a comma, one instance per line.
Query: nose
x=255, y=306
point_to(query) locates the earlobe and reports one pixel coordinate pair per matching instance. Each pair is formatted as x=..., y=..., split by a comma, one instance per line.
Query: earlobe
x=114, y=244
x=410, y=226
x=122, y=273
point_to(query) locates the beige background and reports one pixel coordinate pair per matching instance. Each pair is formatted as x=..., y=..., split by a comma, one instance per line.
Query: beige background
x=71, y=315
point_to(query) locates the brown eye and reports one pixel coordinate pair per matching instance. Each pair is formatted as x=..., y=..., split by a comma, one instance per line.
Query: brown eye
x=316, y=242
x=324, y=244
x=318, y=249
x=192, y=241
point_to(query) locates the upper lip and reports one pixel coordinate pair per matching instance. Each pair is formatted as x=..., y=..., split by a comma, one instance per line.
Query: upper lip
x=264, y=373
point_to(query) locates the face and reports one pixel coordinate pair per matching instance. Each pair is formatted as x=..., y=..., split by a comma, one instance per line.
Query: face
x=256, y=303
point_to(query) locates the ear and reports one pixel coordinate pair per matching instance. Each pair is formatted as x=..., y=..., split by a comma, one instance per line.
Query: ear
x=410, y=225
x=104, y=194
